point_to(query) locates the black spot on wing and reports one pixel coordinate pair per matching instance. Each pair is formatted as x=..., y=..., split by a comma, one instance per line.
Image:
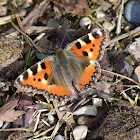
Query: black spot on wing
x=85, y=53
x=39, y=79
x=18, y=81
x=95, y=35
x=25, y=75
x=45, y=76
x=86, y=39
x=91, y=49
x=34, y=69
x=43, y=66
x=78, y=45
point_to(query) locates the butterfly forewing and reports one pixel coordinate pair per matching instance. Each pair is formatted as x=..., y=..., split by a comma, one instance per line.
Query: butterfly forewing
x=91, y=46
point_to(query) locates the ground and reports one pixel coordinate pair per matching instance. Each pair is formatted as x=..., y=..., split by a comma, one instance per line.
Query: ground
x=32, y=30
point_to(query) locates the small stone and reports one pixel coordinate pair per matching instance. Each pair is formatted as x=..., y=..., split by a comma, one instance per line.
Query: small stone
x=81, y=120
x=1, y=123
x=100, y=14
x=108, y=26
x=51, y=119
x=59, y=137
x=85, y=21
x=86, y=110
x=97, y=102
x=95, y=29
x=132, y=11
x=127, y=28
x=80, y=132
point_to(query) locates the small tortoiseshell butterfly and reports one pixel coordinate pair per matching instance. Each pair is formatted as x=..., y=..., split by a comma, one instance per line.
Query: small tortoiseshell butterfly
x=76, y=66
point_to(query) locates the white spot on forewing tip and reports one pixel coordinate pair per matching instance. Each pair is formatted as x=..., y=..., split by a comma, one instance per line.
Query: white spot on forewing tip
x=39, y=67
x=92, y=62
x=90, y=54
x=81, y=42
x=99, y=32
x=44, y=81
x=30, y=73
x=21, y=77
x=91, y=37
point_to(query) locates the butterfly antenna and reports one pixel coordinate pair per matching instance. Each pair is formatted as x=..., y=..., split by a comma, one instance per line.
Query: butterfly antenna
x=65, y=35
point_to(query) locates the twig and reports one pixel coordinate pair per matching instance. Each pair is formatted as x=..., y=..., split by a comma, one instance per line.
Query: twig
x=32, y=42
x=59, y=124
x=120, y=76
x=127, y=97
x=118, y=30
x=32, y=17
x=123, y=36
x=44, y=132
x=15, y=129
x=7, y=19
x=37, y=12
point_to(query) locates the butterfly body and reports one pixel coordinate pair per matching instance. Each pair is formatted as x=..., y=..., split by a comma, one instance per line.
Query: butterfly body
x=74, y=67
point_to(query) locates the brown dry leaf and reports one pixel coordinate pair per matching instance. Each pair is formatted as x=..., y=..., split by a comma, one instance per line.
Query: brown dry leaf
x=116, y=59
x=134, y=49
x=103, y=86
x=75, y=6
x=137, y=72
x=25, y=102
x=7, y=112
x=10, y=115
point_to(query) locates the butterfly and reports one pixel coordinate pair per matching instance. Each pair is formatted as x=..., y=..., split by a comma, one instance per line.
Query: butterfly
x=76, y=67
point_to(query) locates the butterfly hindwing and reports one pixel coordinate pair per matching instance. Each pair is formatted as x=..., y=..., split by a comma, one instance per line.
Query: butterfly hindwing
x=90, y=74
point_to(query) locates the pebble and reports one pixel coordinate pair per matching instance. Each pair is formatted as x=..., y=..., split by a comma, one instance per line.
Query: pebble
x=82, y=120
x=1, y=123
x=132, y=11
x=59, y=137
x=108, y=26
x=80, y=132
x=95, y=29
x=100, y=14
x=97, y=102
x=51, y=119
x=86, y=110
x=85, y=21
